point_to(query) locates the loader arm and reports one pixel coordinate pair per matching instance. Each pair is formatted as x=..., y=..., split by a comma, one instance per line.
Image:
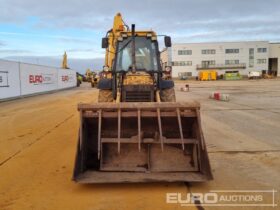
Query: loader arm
x=113, y=35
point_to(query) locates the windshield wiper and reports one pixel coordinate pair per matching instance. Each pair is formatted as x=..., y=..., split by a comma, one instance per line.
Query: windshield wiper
x=122, y=48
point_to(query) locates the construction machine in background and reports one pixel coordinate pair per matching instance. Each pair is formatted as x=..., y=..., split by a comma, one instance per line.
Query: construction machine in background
x=64, y=64
x=137, y=132
x=92, y=77
x=88, y=75
x=95, y=79
x=79, y=79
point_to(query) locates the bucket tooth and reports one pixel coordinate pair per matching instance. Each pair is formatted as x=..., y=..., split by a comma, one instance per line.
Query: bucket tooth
x=81, y=129
x=99, y=132
x=180, y=127
x=119, y=131
x=139, y=128
x=160, y=128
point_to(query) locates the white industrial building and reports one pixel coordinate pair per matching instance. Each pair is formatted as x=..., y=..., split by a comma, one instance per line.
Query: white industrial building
x=190, y=58
x=274, y=58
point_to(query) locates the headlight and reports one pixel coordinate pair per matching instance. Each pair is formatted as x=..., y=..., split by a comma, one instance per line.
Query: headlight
x=105, y=68
x=149, y=34
x=168, y=69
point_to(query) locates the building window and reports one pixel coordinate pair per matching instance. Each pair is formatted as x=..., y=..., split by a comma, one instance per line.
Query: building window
x=184, y=74
x=184, y=52
x=262, y=50
x=207, y=63
x=182, y=63
x=231, y=62
x=261, y=61
x=232, y=51
x=251, y=57
x=208, y=51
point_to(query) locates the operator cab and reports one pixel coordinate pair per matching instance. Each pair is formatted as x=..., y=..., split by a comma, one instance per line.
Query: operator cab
x=146, y=57
x=146, y=51
x=135, y=71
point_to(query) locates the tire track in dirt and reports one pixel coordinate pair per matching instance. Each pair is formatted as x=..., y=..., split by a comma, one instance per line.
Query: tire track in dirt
x=37, y=139
x=197, y=203
x=244, y=151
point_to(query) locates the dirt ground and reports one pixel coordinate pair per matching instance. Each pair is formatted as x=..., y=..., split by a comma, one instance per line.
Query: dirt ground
x=38, y=141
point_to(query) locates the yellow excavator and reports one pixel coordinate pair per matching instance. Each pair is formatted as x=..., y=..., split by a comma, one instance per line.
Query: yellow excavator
x=136, y=132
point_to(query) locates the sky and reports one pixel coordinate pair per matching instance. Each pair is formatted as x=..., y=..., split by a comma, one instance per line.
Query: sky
x=40, y=31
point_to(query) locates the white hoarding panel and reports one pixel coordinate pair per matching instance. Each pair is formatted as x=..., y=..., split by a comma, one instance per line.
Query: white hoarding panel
x=37, y=79
x=9, y=79
x=66, y=78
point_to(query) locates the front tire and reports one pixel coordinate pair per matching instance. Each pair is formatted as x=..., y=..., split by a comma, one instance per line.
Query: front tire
x=168, y=95
x=105, y=96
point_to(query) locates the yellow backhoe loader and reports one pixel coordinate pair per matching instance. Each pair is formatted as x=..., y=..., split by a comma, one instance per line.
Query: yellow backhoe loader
x=137, y=132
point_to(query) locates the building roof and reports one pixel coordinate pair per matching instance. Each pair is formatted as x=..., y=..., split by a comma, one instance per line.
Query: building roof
x=222, y=42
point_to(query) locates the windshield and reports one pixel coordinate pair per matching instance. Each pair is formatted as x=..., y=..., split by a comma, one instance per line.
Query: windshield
x=145, y=54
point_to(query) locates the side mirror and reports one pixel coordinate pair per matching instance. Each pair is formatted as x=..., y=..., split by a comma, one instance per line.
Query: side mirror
x=167, y=41
x=105, y=42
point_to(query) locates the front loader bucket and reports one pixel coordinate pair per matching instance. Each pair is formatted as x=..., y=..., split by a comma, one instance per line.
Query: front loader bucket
x=141, y=142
